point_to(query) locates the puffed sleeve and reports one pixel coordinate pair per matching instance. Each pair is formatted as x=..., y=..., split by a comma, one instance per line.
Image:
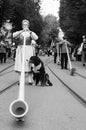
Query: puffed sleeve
x=16, y=34
x=33, y=35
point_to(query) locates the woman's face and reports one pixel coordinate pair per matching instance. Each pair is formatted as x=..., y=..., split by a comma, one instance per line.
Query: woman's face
x=25, y=26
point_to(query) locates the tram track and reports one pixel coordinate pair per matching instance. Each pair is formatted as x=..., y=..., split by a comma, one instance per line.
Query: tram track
x=3, y=73
x=82, y=76
x=16, y=82
x=7, y=88
x=6, y=68
x=70, y=90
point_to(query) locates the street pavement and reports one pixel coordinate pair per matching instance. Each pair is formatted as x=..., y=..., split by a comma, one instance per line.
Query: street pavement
x=76, y=83
x=50, y=108
x=7, y=64
x=79, y=67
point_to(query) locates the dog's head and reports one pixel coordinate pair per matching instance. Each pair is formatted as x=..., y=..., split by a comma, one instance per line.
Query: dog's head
x=31, y=65
x=33, y=68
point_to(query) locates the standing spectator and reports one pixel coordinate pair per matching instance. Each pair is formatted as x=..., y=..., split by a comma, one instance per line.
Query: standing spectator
x=9, y=51
x=58, y=51
x=48, y=52
x=13, y=51
x=84, y=51
x=55, y=53
x=29, y=51
x=2, y=52
x=64, y=57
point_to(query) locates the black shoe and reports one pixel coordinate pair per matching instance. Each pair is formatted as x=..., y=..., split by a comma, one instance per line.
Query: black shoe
x=50, y=84
x=18, y=83
x=30, y=83
x=61, y=67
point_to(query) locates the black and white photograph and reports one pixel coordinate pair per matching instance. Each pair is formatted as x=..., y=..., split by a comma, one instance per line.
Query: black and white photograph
x=42, y=64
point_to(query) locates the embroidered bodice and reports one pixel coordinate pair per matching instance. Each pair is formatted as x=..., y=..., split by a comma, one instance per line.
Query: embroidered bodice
x=28, y=38
x=19, y=36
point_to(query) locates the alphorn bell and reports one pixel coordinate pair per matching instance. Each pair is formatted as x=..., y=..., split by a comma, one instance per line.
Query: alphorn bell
x=19, y=107
x=72, y=70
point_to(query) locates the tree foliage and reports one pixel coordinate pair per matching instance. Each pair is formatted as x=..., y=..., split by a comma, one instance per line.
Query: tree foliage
x=73, y=19
x=49, y=30
x=17, y=10
x=6, y=10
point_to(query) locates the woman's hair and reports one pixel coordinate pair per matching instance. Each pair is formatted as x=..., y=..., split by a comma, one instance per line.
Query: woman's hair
x=26, y=21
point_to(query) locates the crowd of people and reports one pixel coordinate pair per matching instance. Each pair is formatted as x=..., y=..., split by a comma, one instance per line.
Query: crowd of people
x=7, y=49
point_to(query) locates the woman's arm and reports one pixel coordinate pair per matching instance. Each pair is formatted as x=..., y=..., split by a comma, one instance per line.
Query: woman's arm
x=17, y=34
x=33, y=35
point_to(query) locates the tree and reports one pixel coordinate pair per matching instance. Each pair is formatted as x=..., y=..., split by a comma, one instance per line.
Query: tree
x=49, y=30
x=6, y=10
x=17, y=10
x=73, y=19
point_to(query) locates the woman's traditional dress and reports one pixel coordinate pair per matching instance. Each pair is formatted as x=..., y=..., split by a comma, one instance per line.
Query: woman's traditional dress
x=29, y=50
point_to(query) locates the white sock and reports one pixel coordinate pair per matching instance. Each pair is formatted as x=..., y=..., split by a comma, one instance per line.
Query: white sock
x=30, y=78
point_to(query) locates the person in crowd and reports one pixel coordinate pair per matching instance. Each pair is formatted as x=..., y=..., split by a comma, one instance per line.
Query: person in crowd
x=74, y=55
x=54, y=49
x=55, y=53
x=84, y=51
x=58, y=51
x=29, y=51
x=8, y=51
x=13, y=51
x=64, y=56
x=2, y=52
x=48, y=52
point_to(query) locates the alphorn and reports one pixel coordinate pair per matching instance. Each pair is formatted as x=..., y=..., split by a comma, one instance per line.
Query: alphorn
x=72, y=70
x=19, y=108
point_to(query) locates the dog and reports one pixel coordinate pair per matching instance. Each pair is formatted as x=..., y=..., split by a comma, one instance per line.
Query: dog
x=38, y=70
